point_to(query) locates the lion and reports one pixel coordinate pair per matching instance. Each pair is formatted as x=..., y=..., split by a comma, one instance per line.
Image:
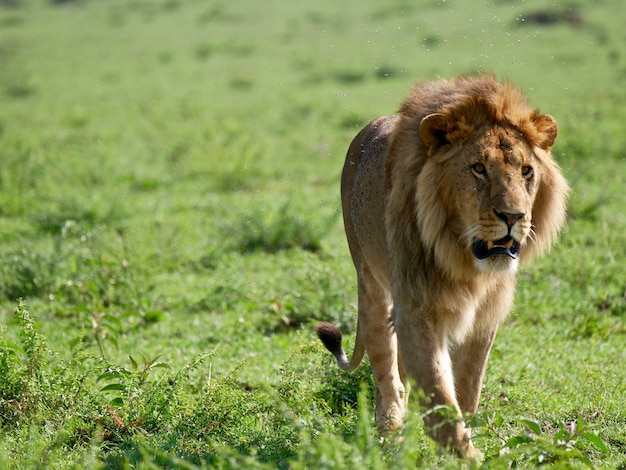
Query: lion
x=441, y=204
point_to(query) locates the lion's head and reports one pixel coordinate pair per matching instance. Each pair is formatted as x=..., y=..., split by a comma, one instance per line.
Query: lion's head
x=487, y=191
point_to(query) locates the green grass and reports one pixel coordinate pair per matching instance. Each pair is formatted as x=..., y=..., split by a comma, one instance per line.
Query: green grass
x=170, y=218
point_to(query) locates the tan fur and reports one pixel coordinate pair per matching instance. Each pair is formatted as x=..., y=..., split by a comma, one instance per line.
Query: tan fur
x=467, y=161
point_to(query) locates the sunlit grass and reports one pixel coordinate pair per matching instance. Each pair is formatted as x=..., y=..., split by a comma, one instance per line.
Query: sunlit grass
x=169, y=212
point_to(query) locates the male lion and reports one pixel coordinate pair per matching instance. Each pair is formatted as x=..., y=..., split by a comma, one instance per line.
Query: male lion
x=439, y=204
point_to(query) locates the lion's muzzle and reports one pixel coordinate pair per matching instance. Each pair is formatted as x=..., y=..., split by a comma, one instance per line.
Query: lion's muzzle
x=505, y=246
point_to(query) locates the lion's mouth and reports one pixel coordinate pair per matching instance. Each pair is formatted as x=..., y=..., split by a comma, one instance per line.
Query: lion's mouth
x=505, y=246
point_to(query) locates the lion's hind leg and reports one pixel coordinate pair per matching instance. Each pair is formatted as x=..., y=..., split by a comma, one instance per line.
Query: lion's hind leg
x=379, y=336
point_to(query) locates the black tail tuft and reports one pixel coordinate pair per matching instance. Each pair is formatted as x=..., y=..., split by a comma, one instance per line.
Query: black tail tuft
x=330, y=335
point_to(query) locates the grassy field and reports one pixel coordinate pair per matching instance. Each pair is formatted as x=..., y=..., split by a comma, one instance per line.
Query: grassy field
x=170, y=220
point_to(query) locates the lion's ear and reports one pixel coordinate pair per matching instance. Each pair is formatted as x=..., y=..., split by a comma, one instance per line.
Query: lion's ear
x=434, y=130
x=547, y=130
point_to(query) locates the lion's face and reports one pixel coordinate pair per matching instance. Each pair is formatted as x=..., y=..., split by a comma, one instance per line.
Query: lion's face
x=494, y=183
x=486, y=190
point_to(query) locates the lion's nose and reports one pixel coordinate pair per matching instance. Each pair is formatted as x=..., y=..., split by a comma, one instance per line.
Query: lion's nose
x=509, y=218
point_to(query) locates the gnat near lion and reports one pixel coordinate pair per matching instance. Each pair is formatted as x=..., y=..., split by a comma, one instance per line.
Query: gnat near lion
x=441, y=204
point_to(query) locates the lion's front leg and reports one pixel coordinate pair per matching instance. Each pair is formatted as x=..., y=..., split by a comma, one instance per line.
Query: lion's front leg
x=423, y=345
x=469, y=358
x=470, y=362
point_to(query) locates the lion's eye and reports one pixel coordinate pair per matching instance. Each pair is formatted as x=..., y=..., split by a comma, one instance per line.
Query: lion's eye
x=479, y=169
x=527, y=171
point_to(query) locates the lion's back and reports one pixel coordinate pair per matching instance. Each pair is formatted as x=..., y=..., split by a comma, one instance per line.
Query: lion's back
x=363, y=191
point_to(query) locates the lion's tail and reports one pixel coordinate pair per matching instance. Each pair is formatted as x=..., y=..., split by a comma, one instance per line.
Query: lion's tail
x=331, y=336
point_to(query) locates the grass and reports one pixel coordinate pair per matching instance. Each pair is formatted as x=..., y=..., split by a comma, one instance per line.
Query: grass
x=170, y=220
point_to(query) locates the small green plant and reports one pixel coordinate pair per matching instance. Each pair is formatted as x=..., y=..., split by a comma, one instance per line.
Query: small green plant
x=21, y=366
x=103, y=328
x=281, y=229
x=12, y=371
x=23, y=274
x=566, y=444
x=32, y=341
x=129, y=383
x=361, y=449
